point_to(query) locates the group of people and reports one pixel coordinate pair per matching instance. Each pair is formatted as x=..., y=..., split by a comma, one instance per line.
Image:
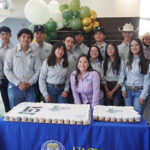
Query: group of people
x=71, y=72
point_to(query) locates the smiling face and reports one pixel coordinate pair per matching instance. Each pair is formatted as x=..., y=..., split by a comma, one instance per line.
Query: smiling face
x=94, y=53
x=25, y=40
x=146, y=40
x=83, y=64
x=59, y=52
x=135, y=47
x=127, y=35
x=110, y=50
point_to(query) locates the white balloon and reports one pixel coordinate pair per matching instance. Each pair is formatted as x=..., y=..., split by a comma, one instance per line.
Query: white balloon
x=36, y=11
x=53, y=5
x=56, y=15
x=60, y=25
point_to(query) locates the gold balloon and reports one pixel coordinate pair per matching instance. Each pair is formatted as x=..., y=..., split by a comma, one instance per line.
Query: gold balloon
x=86, y=21
x=93, y=15
x=88, y=28
x=95, y=24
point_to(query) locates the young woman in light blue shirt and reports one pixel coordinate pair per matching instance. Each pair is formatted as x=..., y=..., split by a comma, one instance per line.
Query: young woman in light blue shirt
x=54, y=79
x=137, y=74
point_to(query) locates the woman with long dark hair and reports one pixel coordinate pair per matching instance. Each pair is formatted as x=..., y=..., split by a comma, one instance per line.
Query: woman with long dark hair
x=137, y=74
x=96, y=59
x=112, y=82
x=54, y=79
x=85, y=83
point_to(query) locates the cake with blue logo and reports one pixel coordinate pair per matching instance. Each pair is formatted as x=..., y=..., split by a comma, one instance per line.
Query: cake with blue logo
x=116, y=114
x=50, y=113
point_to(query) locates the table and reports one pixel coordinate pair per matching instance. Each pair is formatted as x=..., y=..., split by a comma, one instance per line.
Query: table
x=97, y=136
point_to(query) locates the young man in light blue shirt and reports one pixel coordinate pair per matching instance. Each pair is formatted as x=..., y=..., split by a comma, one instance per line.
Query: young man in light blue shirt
x=5, y=35
x=22, y=70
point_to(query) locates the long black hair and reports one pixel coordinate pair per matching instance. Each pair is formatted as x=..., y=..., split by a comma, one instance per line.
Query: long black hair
x=51, y=61
x=144, y=63
x=78, y=71
x=117, y=60
x=100, y=57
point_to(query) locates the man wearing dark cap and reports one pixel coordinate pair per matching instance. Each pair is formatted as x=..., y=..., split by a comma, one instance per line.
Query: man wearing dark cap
x=41, y=49
x=80, y=47
x=99, y=36
x=6, y=45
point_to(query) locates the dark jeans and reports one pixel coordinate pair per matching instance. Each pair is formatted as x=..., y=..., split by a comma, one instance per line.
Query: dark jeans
x=37, y=92
x=4, y=94
x=116, y=101
x=55, y=94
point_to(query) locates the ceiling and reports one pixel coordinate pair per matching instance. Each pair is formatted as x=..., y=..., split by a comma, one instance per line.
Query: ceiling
x=17, y=8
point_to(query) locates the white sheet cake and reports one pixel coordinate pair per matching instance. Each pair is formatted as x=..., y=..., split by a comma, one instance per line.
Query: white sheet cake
x=115, y=114
x=79, y=114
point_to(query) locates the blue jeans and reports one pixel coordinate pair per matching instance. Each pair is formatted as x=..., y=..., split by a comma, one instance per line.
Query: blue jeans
x=55, y=94
x=132, y=99
x=17, y=96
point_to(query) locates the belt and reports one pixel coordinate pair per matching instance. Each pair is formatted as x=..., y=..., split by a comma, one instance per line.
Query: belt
x=111, y=82
x=56, y=85
x=134, y=88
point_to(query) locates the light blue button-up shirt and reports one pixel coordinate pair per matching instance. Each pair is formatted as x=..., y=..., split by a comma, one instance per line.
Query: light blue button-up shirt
x=21, y=67
x=111, y=75
x=135, y=78
x=123, y=50
x=102, y=49
x=82, y=49
x=54, y=75
x=3, y=52
x=42, y=52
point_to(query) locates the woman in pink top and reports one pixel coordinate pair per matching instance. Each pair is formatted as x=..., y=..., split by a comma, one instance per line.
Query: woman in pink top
x=85, y=83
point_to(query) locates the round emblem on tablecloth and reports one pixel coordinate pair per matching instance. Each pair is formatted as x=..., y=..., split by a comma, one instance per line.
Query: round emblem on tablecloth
x=52, y=145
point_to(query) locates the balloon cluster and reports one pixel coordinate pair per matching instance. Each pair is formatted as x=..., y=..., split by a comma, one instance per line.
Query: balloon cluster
x=54, y=16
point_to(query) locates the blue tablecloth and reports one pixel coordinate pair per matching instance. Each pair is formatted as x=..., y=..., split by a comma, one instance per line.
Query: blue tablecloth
x=97, y=136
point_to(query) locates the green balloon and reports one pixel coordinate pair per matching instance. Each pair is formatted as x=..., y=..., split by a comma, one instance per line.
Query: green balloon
x=63, y=7
x=51, y=25
x=53, y=35
x=74, y=5
x=47, y=38
x=75, y=23
x=31, y=27
x=45, y=28
x=76, y=13
x=66, y=23
x=84, y=11
x=67, y=14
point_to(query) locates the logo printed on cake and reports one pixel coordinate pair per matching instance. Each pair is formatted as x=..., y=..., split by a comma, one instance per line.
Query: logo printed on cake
x=52, y=145
x=58, y=108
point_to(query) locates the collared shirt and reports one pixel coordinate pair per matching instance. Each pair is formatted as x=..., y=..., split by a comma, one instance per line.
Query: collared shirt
x=82, y=49
x=97, y=65
x=112, y=75
x=72, y=59
x=88, y=90
x=146, y=50
x=21, y=67
x=1, y=70
x=123, y=50
x=42, y=52
x=54, y=75
x=135, y=78
x=102, y=49
x=3, y=52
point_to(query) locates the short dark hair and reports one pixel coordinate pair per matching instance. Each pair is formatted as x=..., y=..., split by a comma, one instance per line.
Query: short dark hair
x=26, y=31
x=69, y=35
x=5, y=29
